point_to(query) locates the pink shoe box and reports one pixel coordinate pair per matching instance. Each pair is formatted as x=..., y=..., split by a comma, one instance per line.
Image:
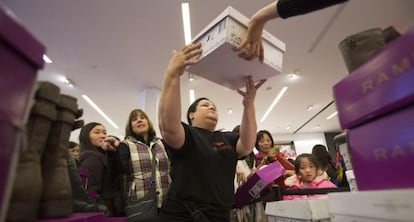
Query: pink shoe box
x=21, y=55
x=381, y=85
x=383, y=151
x=256, y=183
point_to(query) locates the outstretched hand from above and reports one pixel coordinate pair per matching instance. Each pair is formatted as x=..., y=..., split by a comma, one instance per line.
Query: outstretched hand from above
x=252, y=44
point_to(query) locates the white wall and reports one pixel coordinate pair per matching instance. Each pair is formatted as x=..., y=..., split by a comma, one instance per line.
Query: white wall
x=303, y=141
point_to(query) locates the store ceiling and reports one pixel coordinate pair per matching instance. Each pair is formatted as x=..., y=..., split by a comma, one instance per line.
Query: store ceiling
x=113, y=50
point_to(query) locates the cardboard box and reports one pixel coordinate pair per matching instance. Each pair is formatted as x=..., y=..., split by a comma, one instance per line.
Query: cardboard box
x=386, y=205
x=381, y=85
x=20, y=58
x=298, y=210
x=256, y=183
x=220, y=64
x=383, y=151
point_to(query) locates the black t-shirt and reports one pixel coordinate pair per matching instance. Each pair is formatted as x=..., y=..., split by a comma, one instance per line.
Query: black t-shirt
x=203, y=169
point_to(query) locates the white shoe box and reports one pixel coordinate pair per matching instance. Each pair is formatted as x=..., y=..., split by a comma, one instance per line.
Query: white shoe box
x=220, y=64
x=367, y=206
x=298, y=210
x=346, y=155
x=350, y=176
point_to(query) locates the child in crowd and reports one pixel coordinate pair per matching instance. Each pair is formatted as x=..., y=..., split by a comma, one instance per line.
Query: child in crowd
x=308, y=175
x=74, y=150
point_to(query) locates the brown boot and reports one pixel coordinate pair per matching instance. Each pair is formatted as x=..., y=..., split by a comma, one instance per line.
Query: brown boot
x=27, y=189
x=390, y=34
x=358, y=48
x=56, y=198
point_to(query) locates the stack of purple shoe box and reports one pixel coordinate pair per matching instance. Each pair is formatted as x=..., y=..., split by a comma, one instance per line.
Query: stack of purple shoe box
x=375, y=105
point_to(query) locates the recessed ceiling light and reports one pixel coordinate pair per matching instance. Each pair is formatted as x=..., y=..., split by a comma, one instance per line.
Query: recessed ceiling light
x=293, y=76
x=229, y=110
x=309, y=108
x=69, y=82
x=190, y=77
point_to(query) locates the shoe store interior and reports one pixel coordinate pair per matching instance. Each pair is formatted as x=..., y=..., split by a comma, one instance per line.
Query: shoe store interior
x=286, y=110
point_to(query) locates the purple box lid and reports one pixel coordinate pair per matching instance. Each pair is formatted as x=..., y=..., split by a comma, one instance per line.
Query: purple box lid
x=381, y=85
x=383, y=151
x=256, y=183
x=17, y=36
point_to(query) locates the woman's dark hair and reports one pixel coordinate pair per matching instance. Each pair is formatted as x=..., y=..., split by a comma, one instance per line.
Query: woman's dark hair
x=322, y=155
x=260, y=136
x=128, y=128
x=72, y=144
x=325, y=160
x=84, y=140
x=236, y=129
x=310, y=157
x=193, y=108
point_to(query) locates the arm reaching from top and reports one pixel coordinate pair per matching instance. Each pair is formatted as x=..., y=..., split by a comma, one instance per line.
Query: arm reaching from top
x=281, y=8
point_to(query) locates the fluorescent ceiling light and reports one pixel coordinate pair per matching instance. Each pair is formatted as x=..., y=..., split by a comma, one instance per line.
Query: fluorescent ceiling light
x=47, y=59
x=332, y=115
x=278, y=97
x=85, y=97
x=185, y=10
x=192, y=96
x=69, y=82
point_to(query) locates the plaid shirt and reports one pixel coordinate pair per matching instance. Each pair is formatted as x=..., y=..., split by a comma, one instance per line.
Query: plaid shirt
x=141, y=165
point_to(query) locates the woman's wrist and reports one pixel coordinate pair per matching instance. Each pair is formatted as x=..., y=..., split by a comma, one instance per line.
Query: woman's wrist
x=265, y=14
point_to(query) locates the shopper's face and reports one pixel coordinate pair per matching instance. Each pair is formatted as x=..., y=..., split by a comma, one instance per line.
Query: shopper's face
x=97, y=135
x=205, y=115
x=139, y=125
x=265, y=143
x=74, y=152
x=307, y=171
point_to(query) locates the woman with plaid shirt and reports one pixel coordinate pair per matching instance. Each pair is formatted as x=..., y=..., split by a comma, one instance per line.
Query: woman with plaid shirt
x=133, y=157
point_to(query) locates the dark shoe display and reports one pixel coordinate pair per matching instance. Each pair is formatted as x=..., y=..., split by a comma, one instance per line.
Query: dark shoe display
x=56, y=198
x=27, y=189
x=356, y=49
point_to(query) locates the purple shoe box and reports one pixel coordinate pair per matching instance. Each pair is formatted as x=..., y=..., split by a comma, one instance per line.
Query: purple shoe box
x=21, y=55
x=381, y=85
x=383, y=151
x=256, y=183
x=80, y=217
